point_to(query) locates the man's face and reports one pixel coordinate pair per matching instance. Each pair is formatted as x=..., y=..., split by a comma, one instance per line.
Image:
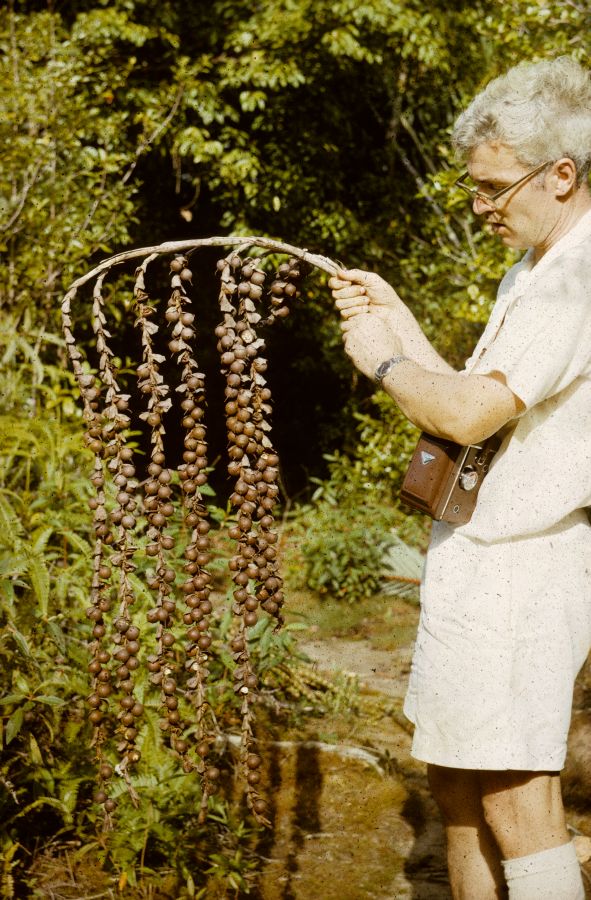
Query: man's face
x=523, y=217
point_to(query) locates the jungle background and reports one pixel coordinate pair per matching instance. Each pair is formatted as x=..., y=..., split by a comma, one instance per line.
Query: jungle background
x=125, y=123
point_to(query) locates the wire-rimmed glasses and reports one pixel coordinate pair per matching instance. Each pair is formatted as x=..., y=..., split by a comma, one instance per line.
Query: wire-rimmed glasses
x=491, y=199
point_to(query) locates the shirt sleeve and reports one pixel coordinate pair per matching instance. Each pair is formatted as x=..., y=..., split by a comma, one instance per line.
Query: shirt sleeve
x=544, y=344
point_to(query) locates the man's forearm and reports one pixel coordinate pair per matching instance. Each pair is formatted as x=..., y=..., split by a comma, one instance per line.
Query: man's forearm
x=465, y=409
x=418, y=348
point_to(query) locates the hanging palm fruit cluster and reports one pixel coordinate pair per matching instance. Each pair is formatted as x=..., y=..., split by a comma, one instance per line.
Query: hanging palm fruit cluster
x=253, y=463
x=127, y=515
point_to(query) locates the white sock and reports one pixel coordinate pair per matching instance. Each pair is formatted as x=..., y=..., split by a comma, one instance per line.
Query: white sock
x=553, y=874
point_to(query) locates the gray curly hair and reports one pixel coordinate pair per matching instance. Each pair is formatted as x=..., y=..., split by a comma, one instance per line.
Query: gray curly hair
x=541, y=110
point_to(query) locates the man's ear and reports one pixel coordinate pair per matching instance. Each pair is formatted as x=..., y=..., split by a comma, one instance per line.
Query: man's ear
x=564, y=175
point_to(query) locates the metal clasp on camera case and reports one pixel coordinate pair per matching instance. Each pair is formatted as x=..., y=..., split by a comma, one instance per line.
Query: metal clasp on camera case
x=468, y=478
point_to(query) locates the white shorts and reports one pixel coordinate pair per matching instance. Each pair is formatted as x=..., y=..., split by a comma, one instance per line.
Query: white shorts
x=503, y=631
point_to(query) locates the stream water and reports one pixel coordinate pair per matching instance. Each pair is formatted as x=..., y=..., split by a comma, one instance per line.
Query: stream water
x=354, y=820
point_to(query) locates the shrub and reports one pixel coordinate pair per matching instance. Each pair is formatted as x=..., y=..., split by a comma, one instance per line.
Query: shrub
x=355, y=516
x=343, y=552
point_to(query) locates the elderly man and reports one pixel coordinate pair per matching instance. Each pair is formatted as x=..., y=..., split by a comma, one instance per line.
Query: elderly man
x=506, y=598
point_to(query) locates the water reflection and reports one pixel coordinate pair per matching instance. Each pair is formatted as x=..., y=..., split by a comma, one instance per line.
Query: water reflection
x=343, y=831
x=306, y=811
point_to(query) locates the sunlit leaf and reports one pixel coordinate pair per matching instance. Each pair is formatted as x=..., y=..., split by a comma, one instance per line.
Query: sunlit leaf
x=39, y=575
x=20, y=641
x=14, y=725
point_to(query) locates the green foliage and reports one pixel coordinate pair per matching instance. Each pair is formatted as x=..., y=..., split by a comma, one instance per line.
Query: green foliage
x=324, y=124
x=137, y=120
x=355, y=519
x=402, y=570
x=343, y=557
x=77, y=114
x=44, y=567
x=44, y=549
x=372, y=471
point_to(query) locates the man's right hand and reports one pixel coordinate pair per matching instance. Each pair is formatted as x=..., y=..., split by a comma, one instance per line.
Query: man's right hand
x=357, y=291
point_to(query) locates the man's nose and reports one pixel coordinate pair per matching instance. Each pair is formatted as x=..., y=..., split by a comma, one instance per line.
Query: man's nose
x=482, y=204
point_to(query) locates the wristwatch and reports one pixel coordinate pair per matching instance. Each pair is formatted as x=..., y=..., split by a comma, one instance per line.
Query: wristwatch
x=384, y=367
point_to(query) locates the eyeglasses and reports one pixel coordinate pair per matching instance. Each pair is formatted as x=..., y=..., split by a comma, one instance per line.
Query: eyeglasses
x=491, y=199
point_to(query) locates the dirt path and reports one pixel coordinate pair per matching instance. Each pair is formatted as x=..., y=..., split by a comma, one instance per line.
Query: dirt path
x=384, y=671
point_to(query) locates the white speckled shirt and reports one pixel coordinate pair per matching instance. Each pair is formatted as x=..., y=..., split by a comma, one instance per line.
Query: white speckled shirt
x=542, y=472
x=506, y=599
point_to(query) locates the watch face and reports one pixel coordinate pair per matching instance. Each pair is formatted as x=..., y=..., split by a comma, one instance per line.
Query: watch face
x=382, y=369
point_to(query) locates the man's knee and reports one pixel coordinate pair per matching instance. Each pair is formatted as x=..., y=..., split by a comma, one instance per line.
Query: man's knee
x=516, y=797
x=457, y=794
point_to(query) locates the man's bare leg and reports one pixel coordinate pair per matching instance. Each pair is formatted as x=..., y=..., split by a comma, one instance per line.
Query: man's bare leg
x=524, y=811
x=473, y=858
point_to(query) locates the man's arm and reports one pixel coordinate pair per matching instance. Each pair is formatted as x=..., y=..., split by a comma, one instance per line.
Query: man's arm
x=463, y=408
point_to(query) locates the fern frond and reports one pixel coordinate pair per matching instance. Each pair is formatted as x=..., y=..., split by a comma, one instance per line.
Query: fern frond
x=402, y=569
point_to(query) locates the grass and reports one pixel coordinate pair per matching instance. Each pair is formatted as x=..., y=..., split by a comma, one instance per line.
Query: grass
x=386, y=622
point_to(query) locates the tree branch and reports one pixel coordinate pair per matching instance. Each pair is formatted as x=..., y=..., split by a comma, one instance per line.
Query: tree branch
x=23, y=197
x=320, y=262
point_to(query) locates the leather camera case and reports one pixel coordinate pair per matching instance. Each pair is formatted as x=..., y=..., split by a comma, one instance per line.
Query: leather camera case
x=443, y=478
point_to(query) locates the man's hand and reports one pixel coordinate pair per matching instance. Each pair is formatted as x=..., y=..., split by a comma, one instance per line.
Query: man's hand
x=355, y=291
x=350, y=297
x=369, y=341
x=430, y=393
